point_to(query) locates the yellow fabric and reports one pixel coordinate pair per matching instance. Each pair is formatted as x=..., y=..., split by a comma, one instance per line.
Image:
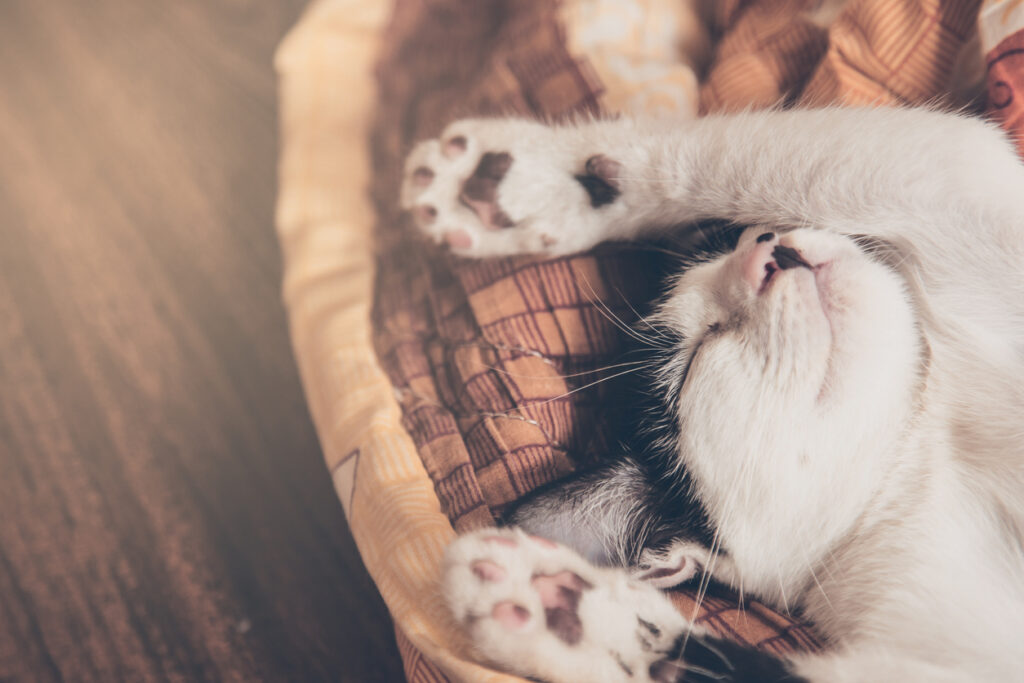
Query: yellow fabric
x=997, y=20
x=646, y=52
x=324, y=221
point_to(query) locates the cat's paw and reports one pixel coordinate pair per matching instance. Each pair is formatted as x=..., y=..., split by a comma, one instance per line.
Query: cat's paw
x=537, y=608
x=668, y=567
x=502, y=187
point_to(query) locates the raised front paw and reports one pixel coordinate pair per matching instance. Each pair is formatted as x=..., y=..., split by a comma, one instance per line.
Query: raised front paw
x=536, y=608
x=501, y=187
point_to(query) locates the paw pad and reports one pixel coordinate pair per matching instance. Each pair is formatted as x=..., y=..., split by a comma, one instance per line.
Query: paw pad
x=425, y=214
x=488, y=571
x=454, y=146
x=511, y=615
x=480, y=191
x=422, y=176
x=601, y=180
x=458, y=239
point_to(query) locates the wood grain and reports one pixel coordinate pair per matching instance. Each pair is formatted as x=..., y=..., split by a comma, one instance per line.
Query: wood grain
x=164, y=510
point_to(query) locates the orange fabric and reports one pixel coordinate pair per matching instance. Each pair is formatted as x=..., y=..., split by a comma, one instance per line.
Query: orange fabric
x=1001, y=26
x=876, y=52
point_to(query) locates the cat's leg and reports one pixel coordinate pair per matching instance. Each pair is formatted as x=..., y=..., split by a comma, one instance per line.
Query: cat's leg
x=512, y=186
x=536, y=608
x=620, y=514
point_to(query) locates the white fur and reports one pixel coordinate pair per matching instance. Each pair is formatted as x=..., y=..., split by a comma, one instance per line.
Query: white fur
x=856, y=432
x=609, y=610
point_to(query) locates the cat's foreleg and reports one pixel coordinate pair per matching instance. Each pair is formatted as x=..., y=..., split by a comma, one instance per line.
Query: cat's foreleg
x=855, y=170
x=621, y=515
x=536, y=608
x=509, y=186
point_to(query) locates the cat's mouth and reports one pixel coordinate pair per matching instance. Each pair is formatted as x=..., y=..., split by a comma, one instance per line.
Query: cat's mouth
x=770, y=258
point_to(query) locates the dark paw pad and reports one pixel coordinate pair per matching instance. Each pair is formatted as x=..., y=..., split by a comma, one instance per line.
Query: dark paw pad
x=560, y=594
x=480, y=191
x=601, y=180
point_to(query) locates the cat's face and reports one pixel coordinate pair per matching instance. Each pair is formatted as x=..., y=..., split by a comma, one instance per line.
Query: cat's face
x=801, y=353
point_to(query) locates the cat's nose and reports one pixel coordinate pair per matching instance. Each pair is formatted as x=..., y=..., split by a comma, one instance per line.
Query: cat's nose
x=766, y=258
x=788, y=257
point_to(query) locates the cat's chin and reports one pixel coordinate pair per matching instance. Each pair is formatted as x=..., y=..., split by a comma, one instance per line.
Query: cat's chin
x=813, y=306
x=829, y=321
x=814, y=284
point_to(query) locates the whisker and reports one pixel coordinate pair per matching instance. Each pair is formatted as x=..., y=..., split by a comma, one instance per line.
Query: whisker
x=701, y=671
x=782, y=593
x=821, y=588
x=705, y=581
x=615, y=320
x=658, y=332
x=721, y=655
x=647, y=246
x=570, y=375
x=581, y=388
x=740, y=603
x=601, y=306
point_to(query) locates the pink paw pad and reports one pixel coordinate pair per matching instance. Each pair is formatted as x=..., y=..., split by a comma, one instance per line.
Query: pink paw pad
x=454, y=146
x=425, y=213
x=561, y=590
x=422, y=176
x=488, y=571
x=510, y=615
x=459, y=239
x=560, y=595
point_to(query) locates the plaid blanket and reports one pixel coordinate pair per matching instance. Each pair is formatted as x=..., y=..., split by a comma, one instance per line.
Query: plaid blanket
x=494, y=369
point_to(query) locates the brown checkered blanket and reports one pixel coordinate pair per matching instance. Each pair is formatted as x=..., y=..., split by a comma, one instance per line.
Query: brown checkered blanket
x=498, y=365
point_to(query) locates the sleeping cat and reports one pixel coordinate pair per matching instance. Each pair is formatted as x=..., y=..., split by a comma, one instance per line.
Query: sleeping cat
x=841, y=421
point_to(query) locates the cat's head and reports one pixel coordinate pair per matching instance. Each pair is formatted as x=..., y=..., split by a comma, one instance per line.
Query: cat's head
x=798, y=352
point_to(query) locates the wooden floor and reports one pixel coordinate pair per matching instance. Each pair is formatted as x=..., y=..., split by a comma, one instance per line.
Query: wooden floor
x=164, y=510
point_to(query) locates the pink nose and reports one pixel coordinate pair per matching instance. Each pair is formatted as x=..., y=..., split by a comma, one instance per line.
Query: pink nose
x=760, y=262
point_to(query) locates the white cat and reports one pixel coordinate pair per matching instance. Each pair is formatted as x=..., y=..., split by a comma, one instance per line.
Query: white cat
x=842, y=394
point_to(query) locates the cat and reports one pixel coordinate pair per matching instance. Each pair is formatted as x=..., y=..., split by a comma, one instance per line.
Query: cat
x=841, y=420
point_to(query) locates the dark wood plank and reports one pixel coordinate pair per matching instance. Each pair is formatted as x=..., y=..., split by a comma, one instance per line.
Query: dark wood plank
x=165, y=512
